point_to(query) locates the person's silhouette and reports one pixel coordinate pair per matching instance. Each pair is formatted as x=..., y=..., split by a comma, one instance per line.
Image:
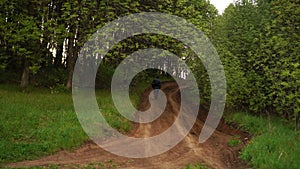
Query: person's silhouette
x=156, y=84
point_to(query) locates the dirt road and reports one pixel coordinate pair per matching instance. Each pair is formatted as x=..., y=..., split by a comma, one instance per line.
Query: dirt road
x=214, y=153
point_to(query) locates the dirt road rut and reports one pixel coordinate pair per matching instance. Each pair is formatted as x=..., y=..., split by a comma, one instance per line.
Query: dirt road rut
x=214, y=153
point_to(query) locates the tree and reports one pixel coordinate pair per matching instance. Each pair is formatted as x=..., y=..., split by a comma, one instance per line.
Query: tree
x=22, y=36
x=264, y=38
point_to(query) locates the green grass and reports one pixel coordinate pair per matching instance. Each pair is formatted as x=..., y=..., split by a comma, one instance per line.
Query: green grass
x=234, y=141
x=196, y=166
x=110, y=112
x=39, y=122
x=275, y=144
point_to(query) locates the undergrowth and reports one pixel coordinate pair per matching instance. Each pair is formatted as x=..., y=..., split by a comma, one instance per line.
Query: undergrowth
x=275, y=143
x=196, y=166
x=37, y=122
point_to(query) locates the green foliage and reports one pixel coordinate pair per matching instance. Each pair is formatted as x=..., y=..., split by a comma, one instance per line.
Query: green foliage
x=29, y=30
x=196, y=166
x=59, y=88
x=258, y=42
x=234, y=141
x=21, y=37
x=49, y=77
x=104, y=76
x=275, y=144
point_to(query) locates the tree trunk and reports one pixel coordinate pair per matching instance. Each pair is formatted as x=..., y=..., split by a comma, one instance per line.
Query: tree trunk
x=59, y=54
x=25, y=75
x=70, y=78
x=71, y=62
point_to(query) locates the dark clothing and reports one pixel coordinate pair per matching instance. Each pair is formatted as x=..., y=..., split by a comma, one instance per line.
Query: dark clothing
x=156, y=84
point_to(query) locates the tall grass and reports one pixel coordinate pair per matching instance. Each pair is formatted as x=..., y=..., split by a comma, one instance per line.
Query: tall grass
x=196, y=166
x=275, y=144
x=40, y=122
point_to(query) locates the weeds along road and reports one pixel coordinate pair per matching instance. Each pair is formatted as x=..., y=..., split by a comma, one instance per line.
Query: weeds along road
x=214, y=153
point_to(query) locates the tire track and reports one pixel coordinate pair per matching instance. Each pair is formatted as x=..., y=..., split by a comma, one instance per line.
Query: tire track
x=215, y=152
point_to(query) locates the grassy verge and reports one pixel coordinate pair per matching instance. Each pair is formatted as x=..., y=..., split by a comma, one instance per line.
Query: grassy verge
x=275, y=144
x=196, y=166
x=41, y=121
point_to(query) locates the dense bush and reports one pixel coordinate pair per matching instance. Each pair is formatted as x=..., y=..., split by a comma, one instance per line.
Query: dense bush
x=259, y=43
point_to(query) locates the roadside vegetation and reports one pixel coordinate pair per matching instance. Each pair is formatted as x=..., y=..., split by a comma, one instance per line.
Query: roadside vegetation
x=196, y=166
x=275, y=143
x=38, y=122
x=258, y=42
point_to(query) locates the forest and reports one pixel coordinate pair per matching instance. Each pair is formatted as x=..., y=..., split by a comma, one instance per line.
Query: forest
x=258, y=42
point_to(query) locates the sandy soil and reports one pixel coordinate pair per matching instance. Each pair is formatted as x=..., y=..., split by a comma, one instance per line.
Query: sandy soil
x=214, y=153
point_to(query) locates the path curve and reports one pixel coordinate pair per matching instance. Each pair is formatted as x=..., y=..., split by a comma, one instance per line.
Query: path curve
x=215, y=152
